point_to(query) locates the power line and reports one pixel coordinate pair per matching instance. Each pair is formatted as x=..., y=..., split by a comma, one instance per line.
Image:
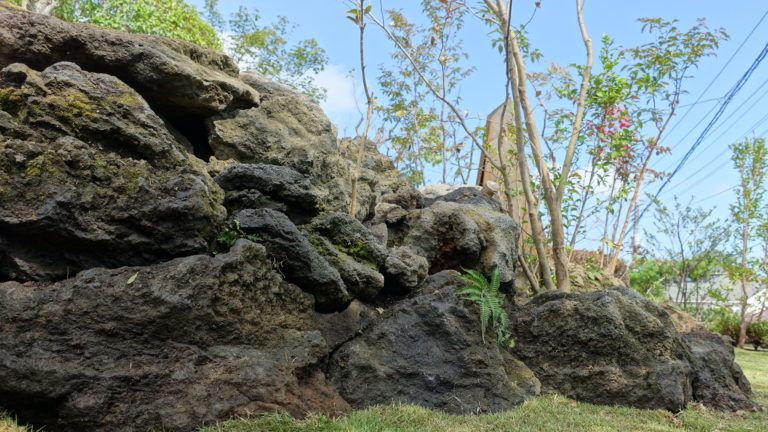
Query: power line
x=699, y=103
x=688, y=111
x=726, y=101
x=742, y=105
x=723, y=105
x=715, y=194
x=725, y=150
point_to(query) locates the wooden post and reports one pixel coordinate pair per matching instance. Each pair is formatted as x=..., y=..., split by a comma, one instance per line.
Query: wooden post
x=488, y=178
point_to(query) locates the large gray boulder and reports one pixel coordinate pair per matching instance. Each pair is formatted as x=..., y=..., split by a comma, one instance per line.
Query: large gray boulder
x=606, y=347
x=91, y=177
x=615, y=347
x=451, y=236
x=174, y=76
x=171, y=347
x=428, y=351
x=718, y=381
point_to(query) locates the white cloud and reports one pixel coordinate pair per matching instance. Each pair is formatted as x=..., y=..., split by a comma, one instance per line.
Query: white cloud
x=339, y=103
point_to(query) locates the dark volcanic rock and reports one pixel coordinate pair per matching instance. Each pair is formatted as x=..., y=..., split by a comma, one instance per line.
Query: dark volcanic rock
x=289, y=130
x=428, y=351
x=353, y=250
x=607, y=347
x=177, y=76
x=405, y=270
x=90, y=177
x=452, y=236
x=271, y=186
x=467, y=195
x=296, y=257
x=349, y=235
x=172, y=346
x=361, y=278
x=718, y=381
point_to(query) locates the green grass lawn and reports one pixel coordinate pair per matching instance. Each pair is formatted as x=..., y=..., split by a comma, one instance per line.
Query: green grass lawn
x=546, y=413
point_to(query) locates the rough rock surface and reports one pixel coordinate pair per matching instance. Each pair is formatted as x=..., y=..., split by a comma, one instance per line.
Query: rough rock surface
x=452, y=236
x=271, y=186
x=614, y=347
x=718, y=381
x=428, y=351
x=405, y=270
x=607, y=347
x=90, y=176
x=170, y=346
x=353, y=250
x=361, y=278
x=349, y=235
x=171, y=74
x=464, y=195
x=297, y=259
x=684, y=322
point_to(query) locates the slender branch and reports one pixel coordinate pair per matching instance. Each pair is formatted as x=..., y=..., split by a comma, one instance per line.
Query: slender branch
x=432, y=88
x=585, y=76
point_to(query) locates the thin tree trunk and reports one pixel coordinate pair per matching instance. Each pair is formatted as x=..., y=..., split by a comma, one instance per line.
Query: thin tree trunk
x=552, y=195
x=369, y=112
x=744, y=293
x=606, y=223
x=531, y=203
x=580, y=214
x=537, y=231
x=638, y=183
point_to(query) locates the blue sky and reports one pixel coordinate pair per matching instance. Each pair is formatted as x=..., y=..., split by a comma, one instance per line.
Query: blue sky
x=708, y=176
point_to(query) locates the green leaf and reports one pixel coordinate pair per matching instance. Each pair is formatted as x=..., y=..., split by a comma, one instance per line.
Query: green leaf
x=132, y=279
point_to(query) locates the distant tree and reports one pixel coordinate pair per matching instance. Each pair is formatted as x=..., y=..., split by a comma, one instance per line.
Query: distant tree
x=762, y=234
x=171, y=18
x=265, y=48
x=649, y=277
x=749, y=159
x=691, y=238
x=417, y=127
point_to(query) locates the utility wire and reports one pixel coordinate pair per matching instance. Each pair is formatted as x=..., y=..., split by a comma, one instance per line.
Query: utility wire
x=716, y=158
x=720, y=72
x=742, y=105
x=714, y=195
x=723, y=105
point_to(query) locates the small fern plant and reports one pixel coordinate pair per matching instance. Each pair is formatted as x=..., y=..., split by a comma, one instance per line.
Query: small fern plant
x=486, y=295
x=228, y=236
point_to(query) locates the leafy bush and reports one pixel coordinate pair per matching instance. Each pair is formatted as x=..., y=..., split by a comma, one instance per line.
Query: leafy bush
x=722, y=320
x=648, y=278
x=228, y=235
x=486, y=295
x=170, y=18
x=757, y=334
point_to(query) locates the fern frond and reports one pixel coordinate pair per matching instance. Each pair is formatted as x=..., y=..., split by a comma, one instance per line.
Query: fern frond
x=495, y=280
x=485, y=316
x=490, y=300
